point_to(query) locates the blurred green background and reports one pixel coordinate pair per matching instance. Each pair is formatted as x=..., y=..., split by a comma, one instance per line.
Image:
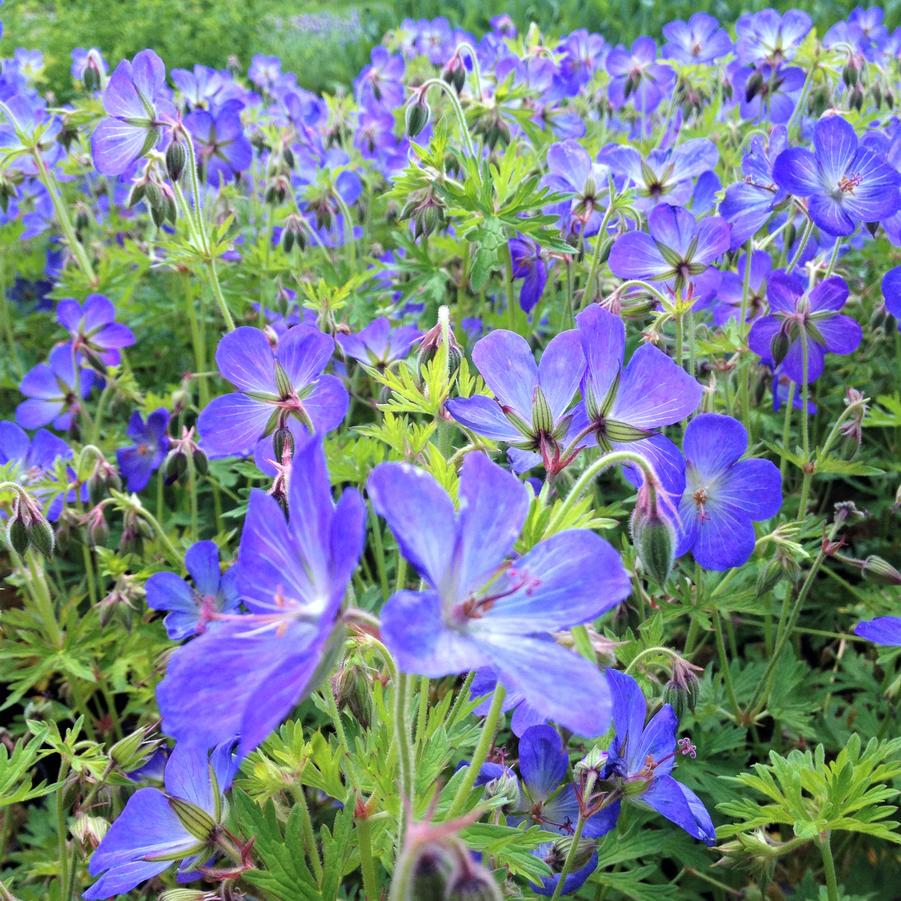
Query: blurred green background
x=324, y=43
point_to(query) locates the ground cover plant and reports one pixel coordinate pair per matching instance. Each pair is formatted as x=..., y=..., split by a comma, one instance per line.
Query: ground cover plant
x=478, y=482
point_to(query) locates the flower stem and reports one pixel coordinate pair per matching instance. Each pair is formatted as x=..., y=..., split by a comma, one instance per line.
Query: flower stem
x=724, y=663
x=805, y=237
x=367, y=864
x=805, y=426
x=480, y=755
x=786, y=429
x=458, y=110
x=825, y=846
x=404, y=755
x=590, y=474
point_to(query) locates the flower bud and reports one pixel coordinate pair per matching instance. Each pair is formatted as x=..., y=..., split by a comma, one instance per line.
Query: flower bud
x=176, y=160
x=474, y=884
x=40, y=536
x=88, y=830
x=753, y=86
x=174, y=466
x=17, y=533
x=653, y=536
x=880, y=571
x=432, y=340
x=133, y=751
x=779, y=346
x=769, y=577
x=417, y=114
x=353, y=692
x=431, y=872
x=201, y=463
x=561, y=847
x=454, y=73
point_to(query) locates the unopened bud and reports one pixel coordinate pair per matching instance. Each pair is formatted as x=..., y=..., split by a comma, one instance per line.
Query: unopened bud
x=653, y=536
x=89, y=831
x=176, y=160
x=880, y=571
x=353, y=692
x=779, y=346
x=417, y=115
x=560, y=851
x=753, y=86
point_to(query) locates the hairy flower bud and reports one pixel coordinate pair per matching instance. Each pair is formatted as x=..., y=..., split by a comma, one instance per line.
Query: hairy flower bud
x=880, y=571
x=417, y=114
x=653, y=535
x=176, y=160
x=88, y=830
x=353, y=691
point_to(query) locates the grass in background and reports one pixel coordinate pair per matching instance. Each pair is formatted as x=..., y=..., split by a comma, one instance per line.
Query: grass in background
x=325, y=44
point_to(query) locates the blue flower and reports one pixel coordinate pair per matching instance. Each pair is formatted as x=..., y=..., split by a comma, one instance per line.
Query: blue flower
x=724, y=495
x=797, y=316
x=194, y=608
x=140, y=461
x=531, y=406
x=276, y=385
x=378, y=344
x=223, y=151
x=627, y=404
x=137, y=104
x=882, y=630
x=93, y=329
x=641, y=759
x=483, y=606
x=243, y=677
x=158, y=828
x=54, y=390
x=845, y=184
x=699, y=40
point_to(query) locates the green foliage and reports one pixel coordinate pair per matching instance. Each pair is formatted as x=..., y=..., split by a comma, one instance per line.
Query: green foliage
x=814, y=796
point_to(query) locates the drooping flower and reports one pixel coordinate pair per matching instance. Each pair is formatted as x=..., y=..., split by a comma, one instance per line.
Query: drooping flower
x=796, y=317
x=158, y=828
x=243, y=677
x=485, y=607
x=137, y=104
x=223, y=151
x=531, y=406
x=882, y=630
x=724, y=494
x=626, y=405
x=677, y=250
x=845, y=184
x=275, y=386
x=140, y=461
x=529, y=265
x=699, y=40
x=193, y=608
x=642, y=757
x=378, y=344
x=93, y=329
x=547, y=798
x=636, y=75
x=55, y=390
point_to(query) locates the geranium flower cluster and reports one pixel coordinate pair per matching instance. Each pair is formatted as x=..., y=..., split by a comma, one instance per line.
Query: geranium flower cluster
x=354, y=384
